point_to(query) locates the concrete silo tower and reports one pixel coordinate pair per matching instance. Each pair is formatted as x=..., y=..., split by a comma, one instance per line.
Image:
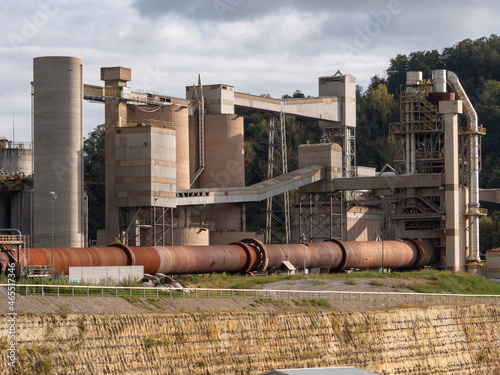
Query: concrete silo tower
x=58, y=147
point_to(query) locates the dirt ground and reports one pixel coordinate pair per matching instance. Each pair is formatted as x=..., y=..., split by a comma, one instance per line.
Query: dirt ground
x=110, y=305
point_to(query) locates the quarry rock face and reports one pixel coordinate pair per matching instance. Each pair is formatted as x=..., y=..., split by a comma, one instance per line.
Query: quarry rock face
x=436, y=340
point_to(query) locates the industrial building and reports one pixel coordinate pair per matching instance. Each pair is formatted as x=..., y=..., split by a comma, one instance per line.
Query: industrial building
x=175, y=170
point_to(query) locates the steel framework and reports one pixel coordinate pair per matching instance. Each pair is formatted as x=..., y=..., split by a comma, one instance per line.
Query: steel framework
x=147, y=226
x=419, y=136
x=346, y=137
x=278, y=207
x=321, y=216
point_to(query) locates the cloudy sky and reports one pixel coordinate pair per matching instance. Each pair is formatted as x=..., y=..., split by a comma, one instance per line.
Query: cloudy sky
x=259, y=46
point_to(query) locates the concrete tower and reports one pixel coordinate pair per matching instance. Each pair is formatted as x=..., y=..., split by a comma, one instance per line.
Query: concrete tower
x=58, y=147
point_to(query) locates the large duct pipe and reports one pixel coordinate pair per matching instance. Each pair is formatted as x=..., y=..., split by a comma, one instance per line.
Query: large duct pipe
x=473, y=162
x=201, y=130
x=175, y=260
x=248, y=255
x=397, y=254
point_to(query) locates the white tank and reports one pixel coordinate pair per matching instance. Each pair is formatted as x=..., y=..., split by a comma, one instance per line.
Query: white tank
x=412, y=78
x=439, y=79
x=58, y=147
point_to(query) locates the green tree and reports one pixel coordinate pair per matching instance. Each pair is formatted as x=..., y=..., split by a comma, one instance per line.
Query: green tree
x=488, y=110
x=93, y=166
x=489, y=229
x=375, y=109
x=424, y=61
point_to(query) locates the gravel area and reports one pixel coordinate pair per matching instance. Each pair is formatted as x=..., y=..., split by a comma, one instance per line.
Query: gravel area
x=110, y=305
x=347, y=285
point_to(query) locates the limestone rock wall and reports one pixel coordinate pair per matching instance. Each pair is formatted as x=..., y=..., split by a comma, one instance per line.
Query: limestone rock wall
x=437, y=340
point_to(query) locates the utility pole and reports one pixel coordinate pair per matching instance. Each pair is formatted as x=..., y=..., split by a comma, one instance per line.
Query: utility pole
x=54, y=197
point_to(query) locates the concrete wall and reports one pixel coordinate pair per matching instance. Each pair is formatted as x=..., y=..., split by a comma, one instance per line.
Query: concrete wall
x=364, y=224
x=191, y=237
x=16, y=159
x=114, y=111
x=145, y=166
x=326, y=154
x=224, y=155
x=343, y=86
x=493, y=262
x=58, y=146
x=218, y=98
x=178, y=117
x=225, y=238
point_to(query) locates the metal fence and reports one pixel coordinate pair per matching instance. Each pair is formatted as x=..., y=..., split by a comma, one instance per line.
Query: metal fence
x=141, y=292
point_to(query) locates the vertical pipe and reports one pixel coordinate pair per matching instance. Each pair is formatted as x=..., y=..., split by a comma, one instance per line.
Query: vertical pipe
x=172, y=226
x=450, y=109
x=32, y=204
x=331, y=216
x=407, y=151
x=343, y=225
x=413, y=160
x=310, y=218
x=201, y=130
x=300, y=214
x=473, y=161
x=83, y=199
x=413, y=78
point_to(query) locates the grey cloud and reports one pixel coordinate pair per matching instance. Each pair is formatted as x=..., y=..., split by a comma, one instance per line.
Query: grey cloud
x=237, y=9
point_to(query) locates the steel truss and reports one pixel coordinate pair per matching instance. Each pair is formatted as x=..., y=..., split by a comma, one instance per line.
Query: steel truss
x=321, y=216
x=146, y=226
x=278, y=207
x=346, y=137
x=419, y=136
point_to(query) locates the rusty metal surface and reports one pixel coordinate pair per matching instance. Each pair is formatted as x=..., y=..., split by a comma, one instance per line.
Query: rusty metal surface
x=195, y=259
x=148, y=257
x=262, y=258
x=425, y=251
x=4, y=261
x=248, y=255
x=78, y=257
x=330, y=254
x=251, y=256
x=294, y=253
x=368, y=254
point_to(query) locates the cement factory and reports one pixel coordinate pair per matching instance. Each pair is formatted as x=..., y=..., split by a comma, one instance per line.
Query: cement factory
x=175, y=180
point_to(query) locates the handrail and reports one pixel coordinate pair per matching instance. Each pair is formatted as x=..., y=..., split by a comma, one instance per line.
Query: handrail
x=154, y=123
x=101, y=93
x=12, y=238
x=119, y=291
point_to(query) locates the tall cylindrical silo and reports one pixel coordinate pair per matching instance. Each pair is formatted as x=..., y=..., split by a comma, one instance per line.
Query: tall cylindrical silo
x=58, y=148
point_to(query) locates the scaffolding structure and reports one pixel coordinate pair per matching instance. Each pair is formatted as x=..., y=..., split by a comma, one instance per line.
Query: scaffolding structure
x=278, y=207
x=321, y=216
x=346, y=137
x=147, y=226
x=419, y=136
